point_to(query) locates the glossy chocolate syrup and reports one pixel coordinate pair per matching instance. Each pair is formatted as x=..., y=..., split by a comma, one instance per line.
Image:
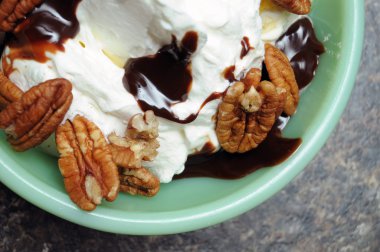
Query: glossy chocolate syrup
x=246, y=47
x=3, y=38
x=162, y=80
x=229, y=74
x=303, y=49
x=45, y=30
x=222, y=165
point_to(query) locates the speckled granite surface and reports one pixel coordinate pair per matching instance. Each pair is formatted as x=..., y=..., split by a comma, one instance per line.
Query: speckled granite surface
x=333, y=206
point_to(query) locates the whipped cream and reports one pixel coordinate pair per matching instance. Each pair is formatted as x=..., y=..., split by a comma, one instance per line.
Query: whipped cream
x=113, y=31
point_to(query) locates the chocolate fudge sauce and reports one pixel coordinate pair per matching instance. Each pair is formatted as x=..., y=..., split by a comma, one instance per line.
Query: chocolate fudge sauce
x=246, y=47
x=3, y=38
x=229, y=74
x=303, y=49
x=162, y=80
x=45, y=30
x=222, y=165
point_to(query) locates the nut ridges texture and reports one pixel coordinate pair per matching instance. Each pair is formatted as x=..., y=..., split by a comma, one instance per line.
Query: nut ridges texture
x=86, y=163
x=36, y=115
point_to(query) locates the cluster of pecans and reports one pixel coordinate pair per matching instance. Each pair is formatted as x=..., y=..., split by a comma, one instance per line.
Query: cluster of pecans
x=251, y=107
x=93, y=168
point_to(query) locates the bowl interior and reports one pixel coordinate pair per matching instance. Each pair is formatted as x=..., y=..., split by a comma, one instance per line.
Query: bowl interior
x=195, y=203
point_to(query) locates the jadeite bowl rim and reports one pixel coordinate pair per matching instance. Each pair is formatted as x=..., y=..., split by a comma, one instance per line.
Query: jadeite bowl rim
x=218, y=211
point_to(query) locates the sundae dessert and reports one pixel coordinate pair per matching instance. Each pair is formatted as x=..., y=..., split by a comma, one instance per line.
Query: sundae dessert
x=138, y=93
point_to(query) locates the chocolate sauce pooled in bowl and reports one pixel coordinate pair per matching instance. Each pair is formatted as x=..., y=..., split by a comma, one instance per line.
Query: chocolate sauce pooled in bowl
x=3, y=39
x=222, y=165
x=45, y=30
x=303, y=49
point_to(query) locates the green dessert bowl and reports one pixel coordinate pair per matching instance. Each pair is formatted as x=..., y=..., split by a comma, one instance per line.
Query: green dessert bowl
x=190, y=204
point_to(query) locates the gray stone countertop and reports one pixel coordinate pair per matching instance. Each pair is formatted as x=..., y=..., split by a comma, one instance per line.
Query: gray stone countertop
x=334, y=205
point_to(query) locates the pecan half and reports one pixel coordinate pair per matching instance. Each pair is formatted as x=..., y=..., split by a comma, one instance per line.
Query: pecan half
x=33, y=118
x=300, y=7
x=9, y=92
x=86, y=163
x=139, y=182
x=139, y=144
x=282, y=75
x=12, y=11
x=241, y=131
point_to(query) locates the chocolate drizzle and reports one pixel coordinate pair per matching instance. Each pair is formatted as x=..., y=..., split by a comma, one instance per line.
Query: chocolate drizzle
x=246, y=47
x=45, y=30
x=229, y=74
x=163, y=80
x=303, y=49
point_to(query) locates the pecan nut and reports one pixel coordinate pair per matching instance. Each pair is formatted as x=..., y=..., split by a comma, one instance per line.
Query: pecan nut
x=37, y=114
x=9, y=92
x=139, y=144
x=252, y=78
x=300, y=7
x=251, y=100
x=241, y=131
x=12, y=11
x=281, y=74
x=86, y=163
x=260, y=123
x=143, y=126
x=139, y=182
